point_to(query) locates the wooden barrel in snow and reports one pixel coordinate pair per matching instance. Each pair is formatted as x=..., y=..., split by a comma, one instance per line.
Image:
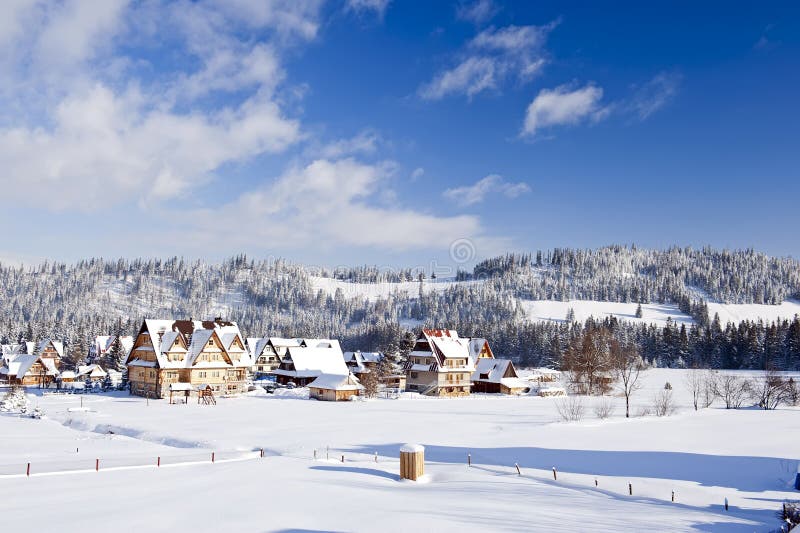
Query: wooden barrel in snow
x=412, y=461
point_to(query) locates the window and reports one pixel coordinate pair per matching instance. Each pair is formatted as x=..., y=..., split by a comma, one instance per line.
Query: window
x=210, y=342
x=202, y=374
x=414, y=375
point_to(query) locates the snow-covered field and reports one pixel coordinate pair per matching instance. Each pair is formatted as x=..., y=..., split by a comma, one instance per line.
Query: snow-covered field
x=543, y=310
x=373, y=291
x=748, y=456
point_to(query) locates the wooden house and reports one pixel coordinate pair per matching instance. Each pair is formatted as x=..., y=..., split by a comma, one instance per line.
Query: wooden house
x=497, y=376
x=303, y=364
x=93, y=373
x=36, y=365
x=267, y=353
x=187, y=351
x=440, y=364
x=362, y=362
x=335, y=387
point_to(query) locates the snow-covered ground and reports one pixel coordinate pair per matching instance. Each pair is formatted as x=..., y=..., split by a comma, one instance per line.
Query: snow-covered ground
x=543, y=310
x=768, y=313
x=747, y=456
x=373, y=291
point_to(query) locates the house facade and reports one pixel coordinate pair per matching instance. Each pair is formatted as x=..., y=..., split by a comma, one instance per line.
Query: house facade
x=36, y=365
x=196, y=352
x=497, y=376
x=335, y=388
x=312, y=358
x=267, y=353
x=440, y=364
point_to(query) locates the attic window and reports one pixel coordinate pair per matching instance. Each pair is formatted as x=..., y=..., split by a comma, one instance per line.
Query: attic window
x=211, y=342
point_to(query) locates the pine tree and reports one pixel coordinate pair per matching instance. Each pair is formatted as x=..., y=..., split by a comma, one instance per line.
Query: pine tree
x=639, y=312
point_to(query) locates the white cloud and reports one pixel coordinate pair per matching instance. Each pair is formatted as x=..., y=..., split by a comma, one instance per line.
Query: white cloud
x=328, y=204
x=491, y=59
x=653, y=95
x=477, y=12
x=472, y=76
x=564, y=106
x=417, y=173
x=86, y=128
x=366, y=142
x=365, y=6
x=476, y=193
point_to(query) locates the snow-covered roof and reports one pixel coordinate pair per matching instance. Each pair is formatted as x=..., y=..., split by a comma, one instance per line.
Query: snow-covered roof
x=68, y=374
x=22, y=363
x=57, y=345
x=164, y=333
x=93, y=371
x=336, y=382
x=515, y=383
x=310, y=362
x=494, y=369
x=103, y=343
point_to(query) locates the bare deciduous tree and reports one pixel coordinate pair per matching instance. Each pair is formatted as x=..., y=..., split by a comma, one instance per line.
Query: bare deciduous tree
x=570, y=408
x=694, y=382
x=588, y=360
x=732, y=389
x=663, y=405
x=770, y=390
x=626, y=366
x=709, y=391
x=604, y=408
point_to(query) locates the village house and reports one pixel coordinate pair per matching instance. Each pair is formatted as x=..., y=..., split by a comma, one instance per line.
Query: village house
x=362, y=362
x=441, y=364
x=335, y=387
x=38, y=365
x=497, y=376
x=93, y=373
x=267, y=352
x=313, y=357
x=208, y=353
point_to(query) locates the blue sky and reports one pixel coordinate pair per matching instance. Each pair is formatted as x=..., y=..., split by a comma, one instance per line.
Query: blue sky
x=369, y=131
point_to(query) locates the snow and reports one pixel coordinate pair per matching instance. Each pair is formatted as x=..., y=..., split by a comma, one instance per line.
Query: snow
x=412, y=448
x=748, y=456
x=753, y=312
x=552, y=310
x=382, y=290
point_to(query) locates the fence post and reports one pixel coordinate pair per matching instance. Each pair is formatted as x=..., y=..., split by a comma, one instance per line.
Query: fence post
x=28, y=473
x=673, y=496
x=376, y=457
x=315, y=454
x=97, y=465
x=262, y=453
x=343, y=458
x=630, y=489
x=519, y=473
x=726, y=504
x=327, y=453
x=212, y=457
x=469, y=460
x=158, y=463
x=555, y=476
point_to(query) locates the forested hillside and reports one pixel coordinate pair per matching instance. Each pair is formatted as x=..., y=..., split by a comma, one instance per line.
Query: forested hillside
x=96, y=296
